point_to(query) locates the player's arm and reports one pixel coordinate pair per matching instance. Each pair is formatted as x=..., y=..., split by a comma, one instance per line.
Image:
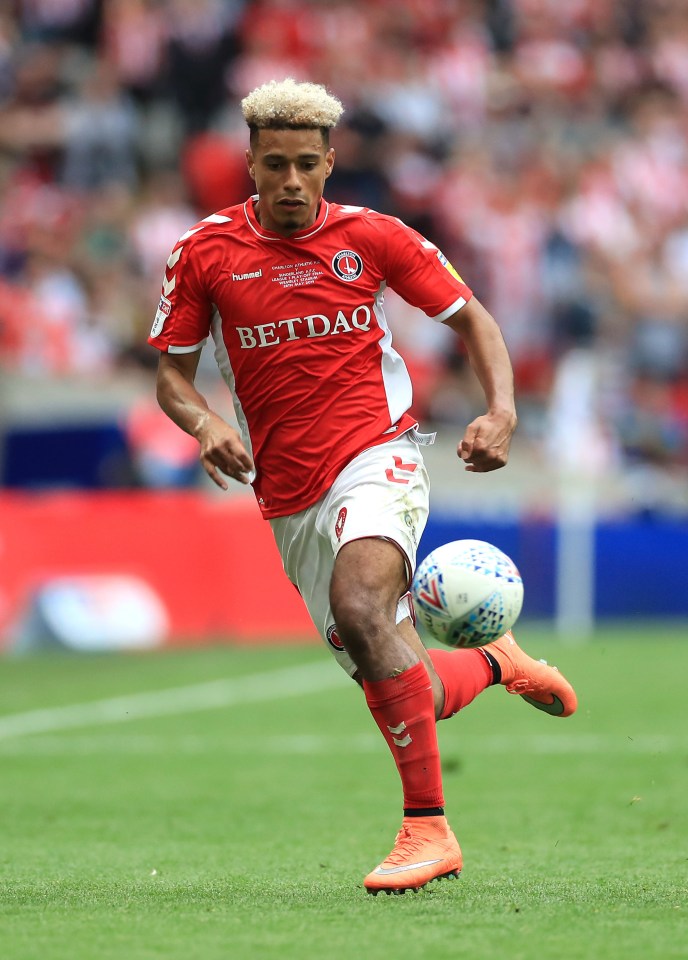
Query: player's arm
x=221, y=445
x=485, y=444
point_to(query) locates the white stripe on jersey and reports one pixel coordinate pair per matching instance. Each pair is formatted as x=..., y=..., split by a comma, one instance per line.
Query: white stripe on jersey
x=192, y=349
x=395, y=376
x=225, y=367
x=456, y=305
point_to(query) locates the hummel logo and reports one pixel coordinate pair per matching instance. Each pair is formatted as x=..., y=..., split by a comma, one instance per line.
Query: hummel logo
x=403, y=741
x=253, y=275
x=386, y=871
x=400, y=465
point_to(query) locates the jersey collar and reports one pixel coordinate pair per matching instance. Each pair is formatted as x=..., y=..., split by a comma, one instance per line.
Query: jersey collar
x=299, y=235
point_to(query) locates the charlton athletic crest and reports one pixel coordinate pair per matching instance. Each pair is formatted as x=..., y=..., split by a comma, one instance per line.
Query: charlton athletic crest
x=339, y=525
x=347, y=265
x=333, y=638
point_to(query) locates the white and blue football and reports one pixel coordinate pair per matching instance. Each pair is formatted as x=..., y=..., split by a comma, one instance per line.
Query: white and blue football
x=467, y=593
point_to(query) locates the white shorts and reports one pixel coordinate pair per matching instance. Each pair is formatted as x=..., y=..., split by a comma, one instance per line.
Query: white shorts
x=383, y=493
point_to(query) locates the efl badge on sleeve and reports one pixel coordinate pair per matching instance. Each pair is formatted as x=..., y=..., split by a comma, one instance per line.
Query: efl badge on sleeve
x=448, y=266
x=161, y=314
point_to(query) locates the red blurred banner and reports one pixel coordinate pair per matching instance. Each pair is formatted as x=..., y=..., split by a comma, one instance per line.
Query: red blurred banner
x=212, y=562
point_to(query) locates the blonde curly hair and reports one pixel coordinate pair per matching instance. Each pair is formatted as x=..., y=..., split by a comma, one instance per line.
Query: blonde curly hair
x=288, y=103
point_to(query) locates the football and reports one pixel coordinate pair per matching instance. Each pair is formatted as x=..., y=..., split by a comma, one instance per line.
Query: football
x=467, y=593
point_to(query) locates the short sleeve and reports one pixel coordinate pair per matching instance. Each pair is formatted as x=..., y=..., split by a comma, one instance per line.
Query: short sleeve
x=182, y=320
x=420, y=273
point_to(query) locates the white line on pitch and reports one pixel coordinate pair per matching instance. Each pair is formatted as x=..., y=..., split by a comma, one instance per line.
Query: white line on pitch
x=254, y=688
x=357, y=743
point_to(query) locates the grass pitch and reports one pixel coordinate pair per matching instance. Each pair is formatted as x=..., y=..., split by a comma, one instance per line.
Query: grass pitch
x=236, y=816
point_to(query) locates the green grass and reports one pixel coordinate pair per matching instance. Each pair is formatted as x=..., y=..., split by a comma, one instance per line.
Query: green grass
x=244, y=830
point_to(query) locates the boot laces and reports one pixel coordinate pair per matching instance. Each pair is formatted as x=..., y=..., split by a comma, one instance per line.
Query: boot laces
x=529, y=684
x=405, y=845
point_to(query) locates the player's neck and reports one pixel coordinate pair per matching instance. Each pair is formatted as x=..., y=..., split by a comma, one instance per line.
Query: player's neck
x=285, y=231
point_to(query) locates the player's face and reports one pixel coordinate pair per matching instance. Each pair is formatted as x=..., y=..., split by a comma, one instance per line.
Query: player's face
x=289, y=168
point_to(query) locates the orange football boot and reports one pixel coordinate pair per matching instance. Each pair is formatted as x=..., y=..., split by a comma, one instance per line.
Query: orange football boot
x=425, y=849
x=540, y=685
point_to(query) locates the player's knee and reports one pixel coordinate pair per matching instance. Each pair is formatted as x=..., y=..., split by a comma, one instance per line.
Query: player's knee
x=358, y=616
x=366, y=583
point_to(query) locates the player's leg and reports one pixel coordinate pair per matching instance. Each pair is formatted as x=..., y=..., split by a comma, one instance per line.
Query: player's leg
x=466, y=673
x=309, y=541
x=368, y=579
x=459, y=676
x=308, y=557
x=375, y=514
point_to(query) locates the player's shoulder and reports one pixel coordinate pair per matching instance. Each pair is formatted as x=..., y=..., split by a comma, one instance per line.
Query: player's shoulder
x=363, y=217
x=223, y=223
x=375, y=230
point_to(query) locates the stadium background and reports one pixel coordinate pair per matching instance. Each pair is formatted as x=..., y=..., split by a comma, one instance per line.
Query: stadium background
x=543, y=145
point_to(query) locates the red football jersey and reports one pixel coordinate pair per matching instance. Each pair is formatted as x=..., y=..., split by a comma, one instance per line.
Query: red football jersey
x=300, y=334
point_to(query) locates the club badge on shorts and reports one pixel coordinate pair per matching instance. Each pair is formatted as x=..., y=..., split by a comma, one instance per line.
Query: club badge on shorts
x=333, y=638
x=339, y=525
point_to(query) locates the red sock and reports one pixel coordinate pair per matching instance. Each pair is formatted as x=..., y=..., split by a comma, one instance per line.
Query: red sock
x=403, y=708
x=464, y=674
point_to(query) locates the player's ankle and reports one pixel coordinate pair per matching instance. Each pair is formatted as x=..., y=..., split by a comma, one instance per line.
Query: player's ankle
x=494, y=665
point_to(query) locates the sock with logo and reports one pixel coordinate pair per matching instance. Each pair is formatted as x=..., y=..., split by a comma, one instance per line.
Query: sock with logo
x=464, y=674
x=403, y=708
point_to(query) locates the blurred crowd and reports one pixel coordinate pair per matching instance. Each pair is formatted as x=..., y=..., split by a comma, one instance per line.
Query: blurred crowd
x=543, y=144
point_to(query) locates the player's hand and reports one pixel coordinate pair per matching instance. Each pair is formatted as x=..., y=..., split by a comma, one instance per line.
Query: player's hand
x=486, y=442
x=222, y=452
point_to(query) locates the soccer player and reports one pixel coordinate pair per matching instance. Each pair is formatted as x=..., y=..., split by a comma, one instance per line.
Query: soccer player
x=291, y=288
